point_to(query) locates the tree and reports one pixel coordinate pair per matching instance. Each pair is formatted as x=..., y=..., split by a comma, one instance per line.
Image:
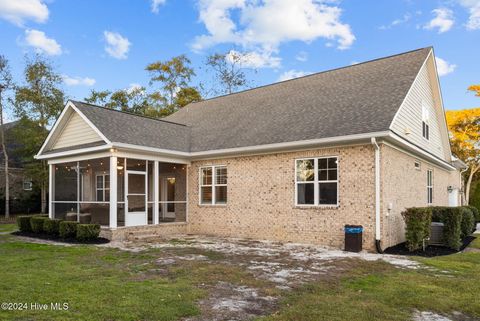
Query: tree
x=464, y=127
x=174, y=77
x=6, y=83
x=475, y=89
x=40, y=100
x=229, y=76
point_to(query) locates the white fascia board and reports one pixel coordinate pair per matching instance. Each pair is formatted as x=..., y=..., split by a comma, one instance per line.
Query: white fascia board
x=52, y=131
x=85, y=118
x=418, y=151
x=73, y=152
x=339, y=140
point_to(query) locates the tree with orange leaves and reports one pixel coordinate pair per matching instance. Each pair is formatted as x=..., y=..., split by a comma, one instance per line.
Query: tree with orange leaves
x=464, y=128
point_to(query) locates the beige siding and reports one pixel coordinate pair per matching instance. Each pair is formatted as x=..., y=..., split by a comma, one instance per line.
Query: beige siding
x=76, y=132
x=423, y=92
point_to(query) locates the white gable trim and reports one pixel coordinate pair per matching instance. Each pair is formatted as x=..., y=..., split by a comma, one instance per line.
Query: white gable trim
x=63, y=118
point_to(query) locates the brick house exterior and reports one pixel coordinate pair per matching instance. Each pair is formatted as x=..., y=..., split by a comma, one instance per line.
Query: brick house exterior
x=294, y=161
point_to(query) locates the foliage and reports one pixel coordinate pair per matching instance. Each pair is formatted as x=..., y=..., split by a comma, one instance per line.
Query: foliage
x=475, y=196
x=36, y=223
x=475, y=89
x=229, y=76
x=67, y=229
x=468, y=221
x=174, y=77
x=23, y=223
x=475, y=212
x=52, y=227
x=417, y=231
x=451, y=217
x=464, y=128
x=87, y=232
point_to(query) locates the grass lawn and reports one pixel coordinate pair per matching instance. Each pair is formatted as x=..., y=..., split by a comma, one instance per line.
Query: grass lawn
x=109, y=284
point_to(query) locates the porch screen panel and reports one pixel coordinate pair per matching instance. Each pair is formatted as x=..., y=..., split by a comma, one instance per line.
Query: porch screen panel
x=172, y=183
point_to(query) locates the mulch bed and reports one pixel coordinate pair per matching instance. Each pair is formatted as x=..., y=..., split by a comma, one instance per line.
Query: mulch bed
x=430, y=251
x=47, y=237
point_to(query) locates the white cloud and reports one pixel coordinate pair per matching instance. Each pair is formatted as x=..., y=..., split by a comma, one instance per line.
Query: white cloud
x=19, y=11
x=78, y=81
x=443, y=67
x=262, y=26
x=156, y=4
x=443, y=20
x=42, y=44
x=133, y=87
x=254, y=59
x=302, y=56
x=473, y=7
x=116, y=46
x=291, y=74
x=406, y=17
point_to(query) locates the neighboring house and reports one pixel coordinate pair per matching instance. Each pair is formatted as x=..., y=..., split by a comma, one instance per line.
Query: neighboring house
x=293, y=161
x=21, y=185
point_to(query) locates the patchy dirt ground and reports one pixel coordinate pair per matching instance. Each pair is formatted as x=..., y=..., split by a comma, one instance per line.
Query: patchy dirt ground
x=281, y=266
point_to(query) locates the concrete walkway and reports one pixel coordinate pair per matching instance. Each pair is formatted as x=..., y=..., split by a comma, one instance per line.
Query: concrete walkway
x=478, y=229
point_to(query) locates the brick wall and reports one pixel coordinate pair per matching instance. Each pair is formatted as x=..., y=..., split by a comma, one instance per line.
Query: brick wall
x=404, y=186
x=261, y=191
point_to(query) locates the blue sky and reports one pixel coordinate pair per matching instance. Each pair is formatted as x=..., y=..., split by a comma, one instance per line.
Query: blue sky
x=107, y=44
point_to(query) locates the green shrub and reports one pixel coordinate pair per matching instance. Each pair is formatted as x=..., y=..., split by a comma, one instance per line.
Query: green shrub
x=468, y=221
x=418, y=221
x=23, y=222
x=88, y=232
x=475, y=211
x=36, y=223
x=67, y=229
x=451, y=217
x=51, y=226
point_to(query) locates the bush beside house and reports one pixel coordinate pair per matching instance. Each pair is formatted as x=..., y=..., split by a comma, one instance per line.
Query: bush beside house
x=417, y=231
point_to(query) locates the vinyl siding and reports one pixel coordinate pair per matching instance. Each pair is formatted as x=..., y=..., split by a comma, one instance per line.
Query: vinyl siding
x=423, y=93
x=76, y=132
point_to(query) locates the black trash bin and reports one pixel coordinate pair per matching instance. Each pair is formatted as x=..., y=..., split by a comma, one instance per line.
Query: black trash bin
x=353, y=238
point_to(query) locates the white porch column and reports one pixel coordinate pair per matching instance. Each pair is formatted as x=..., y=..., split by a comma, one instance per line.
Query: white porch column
x=113, y=191
x=51, y=190
x=155, y=192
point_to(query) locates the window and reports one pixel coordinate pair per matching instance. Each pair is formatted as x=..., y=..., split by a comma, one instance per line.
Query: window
x=429, y=186
x=102, y=187
x=316, y=181
x=425, y=123
x=213, y=185
x=27, y=184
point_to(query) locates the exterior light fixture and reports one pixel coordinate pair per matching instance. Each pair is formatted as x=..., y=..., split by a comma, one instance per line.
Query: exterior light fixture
x=119, y=167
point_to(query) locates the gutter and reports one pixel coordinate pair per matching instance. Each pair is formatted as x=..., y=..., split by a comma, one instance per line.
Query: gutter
x=377, y=196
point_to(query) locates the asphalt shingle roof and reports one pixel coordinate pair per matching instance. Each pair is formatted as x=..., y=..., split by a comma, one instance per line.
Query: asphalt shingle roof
x=357, y=99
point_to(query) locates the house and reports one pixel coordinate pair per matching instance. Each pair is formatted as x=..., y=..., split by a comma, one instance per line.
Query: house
x=24, y=197
x=294, y=161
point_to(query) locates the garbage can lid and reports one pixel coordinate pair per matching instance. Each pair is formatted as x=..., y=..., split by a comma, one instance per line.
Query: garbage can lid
x=349, y=229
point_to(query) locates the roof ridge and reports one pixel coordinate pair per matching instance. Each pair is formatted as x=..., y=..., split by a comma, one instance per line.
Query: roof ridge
x=309, y=75
x=127, y=113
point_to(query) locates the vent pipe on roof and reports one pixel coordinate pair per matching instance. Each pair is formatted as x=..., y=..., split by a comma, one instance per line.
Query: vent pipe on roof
x=377, y=197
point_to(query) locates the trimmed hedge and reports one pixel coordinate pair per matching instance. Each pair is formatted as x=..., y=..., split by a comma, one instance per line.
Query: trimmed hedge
x=67, y=229
x=468, y=221
x=23, y=223
x=475, y=211
x=51, y=226
x=36, y=223
x=451, y=217
x=417, y=231
x=88, y=232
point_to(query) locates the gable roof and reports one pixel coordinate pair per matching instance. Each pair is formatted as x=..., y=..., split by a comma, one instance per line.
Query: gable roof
x=342, y=105
x=357, y=99
x=122, y=127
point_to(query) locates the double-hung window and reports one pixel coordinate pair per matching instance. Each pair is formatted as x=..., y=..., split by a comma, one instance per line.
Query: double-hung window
x=27, y=184
x=316, y=181
x=213, y=185
x=102, y=187
x=429, y=187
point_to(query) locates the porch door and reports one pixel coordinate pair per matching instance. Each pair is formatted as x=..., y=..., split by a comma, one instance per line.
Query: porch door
x=167, y=195
x=136, y=198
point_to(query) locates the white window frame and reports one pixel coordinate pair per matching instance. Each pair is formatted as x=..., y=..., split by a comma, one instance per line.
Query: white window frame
x=103, y=188
x=425, y=122
x=316, y=182
x=212, y=186
x=429, y=186
x=29, y=182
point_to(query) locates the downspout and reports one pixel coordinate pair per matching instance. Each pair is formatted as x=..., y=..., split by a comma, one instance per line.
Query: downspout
x=377, y=196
